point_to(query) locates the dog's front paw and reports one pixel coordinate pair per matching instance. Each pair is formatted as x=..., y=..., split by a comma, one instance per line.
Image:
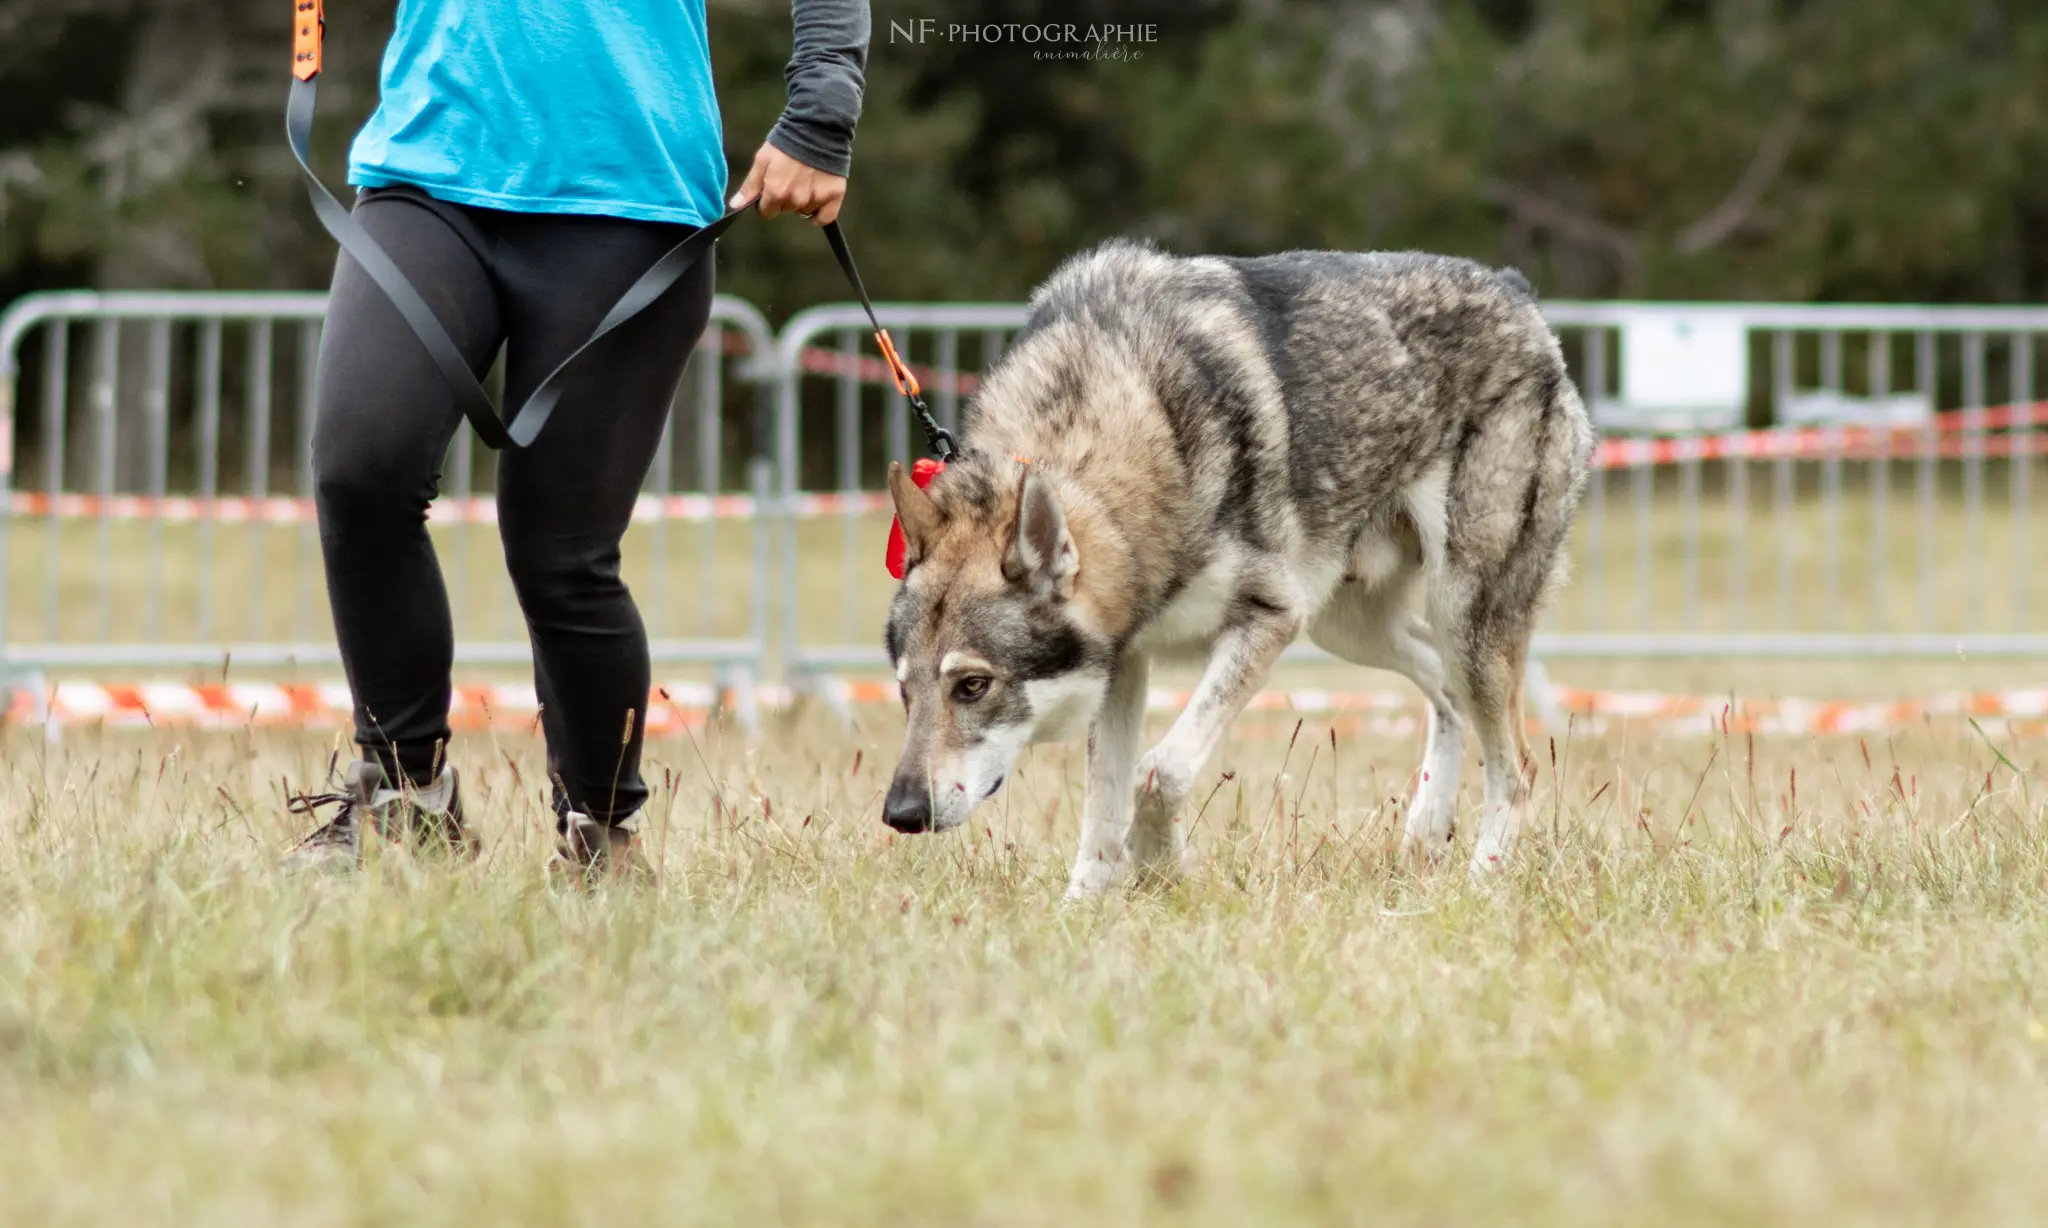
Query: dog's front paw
x=1158, y=849
x=1432, y=822
x=1494, y=847
x=1156, y=841
x=1485, y=865
x=1489, y=857
x=1093, y=875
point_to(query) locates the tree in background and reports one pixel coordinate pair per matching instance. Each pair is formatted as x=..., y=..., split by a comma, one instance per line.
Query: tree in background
x=1781, y=149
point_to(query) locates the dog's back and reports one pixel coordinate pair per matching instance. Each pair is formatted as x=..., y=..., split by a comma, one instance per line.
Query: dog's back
x=1278, y=404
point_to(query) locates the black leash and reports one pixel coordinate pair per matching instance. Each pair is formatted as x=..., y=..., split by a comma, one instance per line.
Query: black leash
x=519, y=428
x=938, y=437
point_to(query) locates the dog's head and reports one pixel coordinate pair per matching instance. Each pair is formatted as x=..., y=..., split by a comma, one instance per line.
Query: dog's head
x=988, y=646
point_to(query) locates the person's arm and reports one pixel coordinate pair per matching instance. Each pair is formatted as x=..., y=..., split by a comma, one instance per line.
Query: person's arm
x=802, y=166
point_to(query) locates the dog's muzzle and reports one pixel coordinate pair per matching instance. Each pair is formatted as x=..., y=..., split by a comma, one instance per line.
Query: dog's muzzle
x=908, y=808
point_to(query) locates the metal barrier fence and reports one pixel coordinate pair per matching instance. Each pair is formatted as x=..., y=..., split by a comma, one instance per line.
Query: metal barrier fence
x=838, y=548
x=1775, y=481
x=1883, y=508
x=1887, y=512
x=163, y=518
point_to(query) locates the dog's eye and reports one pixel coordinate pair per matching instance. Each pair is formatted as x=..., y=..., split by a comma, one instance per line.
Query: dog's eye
x=967, y=690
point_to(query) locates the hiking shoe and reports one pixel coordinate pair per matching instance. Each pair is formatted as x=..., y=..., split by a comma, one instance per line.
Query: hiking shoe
x=422, y=818
x=429, y=818
x=590, y=852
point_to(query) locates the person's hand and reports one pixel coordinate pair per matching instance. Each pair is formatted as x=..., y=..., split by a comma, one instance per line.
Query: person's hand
x=786, y=185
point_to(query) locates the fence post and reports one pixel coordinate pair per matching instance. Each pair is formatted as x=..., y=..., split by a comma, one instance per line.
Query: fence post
x=16, y=319
x=787, y=374
x=7, y=380
x=763, y=374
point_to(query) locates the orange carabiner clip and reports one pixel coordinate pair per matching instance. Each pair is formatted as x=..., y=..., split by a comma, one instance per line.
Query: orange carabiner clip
x=906, y=383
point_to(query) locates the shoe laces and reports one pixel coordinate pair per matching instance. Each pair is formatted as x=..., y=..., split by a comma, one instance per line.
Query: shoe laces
x=310, y=804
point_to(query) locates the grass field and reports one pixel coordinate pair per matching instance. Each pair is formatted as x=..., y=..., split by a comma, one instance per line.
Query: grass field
x=1795, y=983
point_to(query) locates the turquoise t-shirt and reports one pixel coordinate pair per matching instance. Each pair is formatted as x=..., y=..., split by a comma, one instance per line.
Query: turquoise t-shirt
x=550, y=106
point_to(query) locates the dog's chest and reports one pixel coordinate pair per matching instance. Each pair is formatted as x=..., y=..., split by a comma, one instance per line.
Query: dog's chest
x=1191, y=621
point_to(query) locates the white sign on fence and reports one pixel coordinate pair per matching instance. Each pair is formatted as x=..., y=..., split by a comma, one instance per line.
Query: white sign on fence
x=1680, y=372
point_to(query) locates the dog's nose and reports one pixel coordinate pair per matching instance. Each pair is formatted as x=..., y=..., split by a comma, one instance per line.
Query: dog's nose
x=908, y=807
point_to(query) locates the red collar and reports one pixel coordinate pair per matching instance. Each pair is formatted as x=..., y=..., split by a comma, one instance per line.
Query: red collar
x=921, y=472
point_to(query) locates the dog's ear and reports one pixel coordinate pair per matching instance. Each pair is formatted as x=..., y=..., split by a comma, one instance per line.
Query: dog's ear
x=915, y=510
x=1042, y=553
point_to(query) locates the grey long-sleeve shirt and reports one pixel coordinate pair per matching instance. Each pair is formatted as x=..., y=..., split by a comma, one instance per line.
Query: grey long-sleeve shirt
x=825, y=76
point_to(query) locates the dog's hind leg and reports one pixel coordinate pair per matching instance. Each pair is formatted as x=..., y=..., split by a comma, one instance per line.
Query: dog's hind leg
x=1522, y=466
x=1376, y=627
x=1496, y=631
x=1494, y=676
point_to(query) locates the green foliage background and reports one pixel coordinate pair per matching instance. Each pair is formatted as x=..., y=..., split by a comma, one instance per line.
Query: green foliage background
x=1769, y=149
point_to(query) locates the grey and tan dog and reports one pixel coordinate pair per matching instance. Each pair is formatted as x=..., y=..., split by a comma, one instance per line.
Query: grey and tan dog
x=1384, y=450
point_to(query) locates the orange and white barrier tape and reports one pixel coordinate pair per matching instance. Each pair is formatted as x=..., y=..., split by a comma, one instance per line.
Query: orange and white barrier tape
x=504, y=707
x=1950, y=436
x=179, y=509
x=1953, y=436
x=514, y=707
x=1717, y=714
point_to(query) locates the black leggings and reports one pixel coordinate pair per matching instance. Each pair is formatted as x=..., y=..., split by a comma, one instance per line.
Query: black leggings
x=536, y=284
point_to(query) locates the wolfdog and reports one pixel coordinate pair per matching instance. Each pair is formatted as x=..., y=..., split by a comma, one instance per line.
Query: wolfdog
x=1188, y=457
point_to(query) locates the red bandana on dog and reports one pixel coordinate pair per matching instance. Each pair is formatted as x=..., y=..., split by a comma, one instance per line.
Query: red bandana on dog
x=921, y=472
